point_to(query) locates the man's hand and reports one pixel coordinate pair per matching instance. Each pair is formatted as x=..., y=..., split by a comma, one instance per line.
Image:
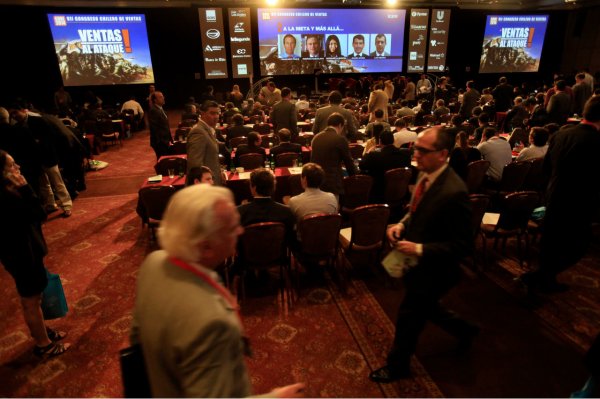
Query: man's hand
x=407, y=247
x=289, y=391
x=16, y=180
x=395, y=232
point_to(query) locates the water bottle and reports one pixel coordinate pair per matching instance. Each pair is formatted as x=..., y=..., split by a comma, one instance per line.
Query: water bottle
x=272, y=162
x=300, y=160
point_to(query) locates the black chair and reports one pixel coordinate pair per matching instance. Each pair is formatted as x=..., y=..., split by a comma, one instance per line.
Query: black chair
x=286, y=159
x=179, y=165
x=262, y=246
x=154, y=201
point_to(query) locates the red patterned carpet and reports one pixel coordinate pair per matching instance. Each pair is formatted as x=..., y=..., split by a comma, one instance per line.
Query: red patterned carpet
x=329, y=340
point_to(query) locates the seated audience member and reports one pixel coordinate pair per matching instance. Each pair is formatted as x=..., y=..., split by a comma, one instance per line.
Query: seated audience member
x=302, y=103
x=312, y=200
x=456, y=121
x=405, y=110
x=402, y=135
x=517, y=115
x=486, y=96
x=425, y=109
x=440, y=109
x=473, y=120
x=199, y=175
x=374, y=142
x=378, y=121
x=538, y=145
x=230, y=110
x=237, y=128
x=380, y=160
x=363, y=115
x=263, y=208
x=284, y=144
x=253, y=147
x=484, y=122
x=257, y=115
x=462, y=155
x=133, y=105
x=497, y=151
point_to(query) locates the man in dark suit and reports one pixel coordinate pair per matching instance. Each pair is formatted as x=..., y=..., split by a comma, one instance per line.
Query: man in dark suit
x=253, y=147
x=237, y=128
x=160, y=132
x=284, y=144
x=379, y=161
x=329, y=149
x=572, y=199
x=323, y=113
x=559, y=106
x=437, y=234
x=263, y=208
x=284, y=114
x=358, y=44
x=503, y=95
x=470, y=100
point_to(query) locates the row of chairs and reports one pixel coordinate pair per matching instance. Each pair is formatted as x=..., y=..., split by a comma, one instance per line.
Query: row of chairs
x=321, y=243
x=521, y=175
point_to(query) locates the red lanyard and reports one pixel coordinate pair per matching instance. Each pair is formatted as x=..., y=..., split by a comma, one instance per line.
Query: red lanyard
x=224, y=292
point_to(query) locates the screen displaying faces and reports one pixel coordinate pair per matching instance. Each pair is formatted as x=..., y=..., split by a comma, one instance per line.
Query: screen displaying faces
x=305, y=41
x=513, y=43
x=98, y=49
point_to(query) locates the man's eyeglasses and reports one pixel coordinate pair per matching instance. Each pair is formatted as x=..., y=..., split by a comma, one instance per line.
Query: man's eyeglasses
x=423, y=150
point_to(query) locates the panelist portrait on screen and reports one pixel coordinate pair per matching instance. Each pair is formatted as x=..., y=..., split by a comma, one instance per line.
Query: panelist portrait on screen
x=358, y=47
x=333, y=47
x=313, y=46
x=289, y=48
x=380, y=46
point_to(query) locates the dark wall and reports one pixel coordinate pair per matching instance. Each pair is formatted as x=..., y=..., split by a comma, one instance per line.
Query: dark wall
x=29, y=69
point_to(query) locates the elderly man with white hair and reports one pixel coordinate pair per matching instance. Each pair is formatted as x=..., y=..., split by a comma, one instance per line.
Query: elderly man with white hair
x=189, y=325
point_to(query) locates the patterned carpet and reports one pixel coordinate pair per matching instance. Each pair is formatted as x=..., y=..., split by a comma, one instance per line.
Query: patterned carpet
x=574, y=315
x=327, y=339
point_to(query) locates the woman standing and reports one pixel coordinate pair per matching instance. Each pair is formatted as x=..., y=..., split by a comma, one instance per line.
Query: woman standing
x=22, y=251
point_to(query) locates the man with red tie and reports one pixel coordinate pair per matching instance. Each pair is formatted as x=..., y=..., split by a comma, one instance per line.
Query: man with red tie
x=437, y=233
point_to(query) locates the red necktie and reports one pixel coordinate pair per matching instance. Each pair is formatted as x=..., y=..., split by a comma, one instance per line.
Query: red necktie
x=419, y=191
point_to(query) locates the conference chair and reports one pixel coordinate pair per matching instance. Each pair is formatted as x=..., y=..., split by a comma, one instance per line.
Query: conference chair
x=236, y=141
x=251, y=161
x=154, y=201
x=286, y=159
x=318, y=243
x=366, y=233
x=396, y=189
x=178, y=165
x=511, y=222
x=479, y=205
x=357, y=189
x=262, y=247
x=356, y=150
x=476, y=171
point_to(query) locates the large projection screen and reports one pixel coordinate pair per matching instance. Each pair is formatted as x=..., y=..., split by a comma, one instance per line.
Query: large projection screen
x=513, y=43
x=99, y=49
x=306, y=41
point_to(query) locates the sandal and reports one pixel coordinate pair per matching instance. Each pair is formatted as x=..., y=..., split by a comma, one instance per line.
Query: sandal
x=54, y=349
x=55, y=335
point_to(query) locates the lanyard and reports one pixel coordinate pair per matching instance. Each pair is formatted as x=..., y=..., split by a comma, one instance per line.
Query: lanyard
x=224, y=292
x=218, y=287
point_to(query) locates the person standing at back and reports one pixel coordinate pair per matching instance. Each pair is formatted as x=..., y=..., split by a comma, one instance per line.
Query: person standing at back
x=284, y=115
x=160, y=132
x=329, y=150
x=202, y=144
x=572, y=199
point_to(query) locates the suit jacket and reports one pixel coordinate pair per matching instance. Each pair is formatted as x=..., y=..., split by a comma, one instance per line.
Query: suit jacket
x=329, y=150
x=470, y=100
x=284, y=115
x=262, y=210
x=350, y=130
x=559, y=108
x=377, y=162
x=442, y=223
x=374, y=54
x=378, y=100
x=237, y=131
x=190, y=336
x=286, y=147
x=160, y=133
x=203, y=150
x=364, y=55
x=503, y=96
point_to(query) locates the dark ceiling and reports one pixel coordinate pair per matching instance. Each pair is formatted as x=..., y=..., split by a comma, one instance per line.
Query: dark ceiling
x=466, y=4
